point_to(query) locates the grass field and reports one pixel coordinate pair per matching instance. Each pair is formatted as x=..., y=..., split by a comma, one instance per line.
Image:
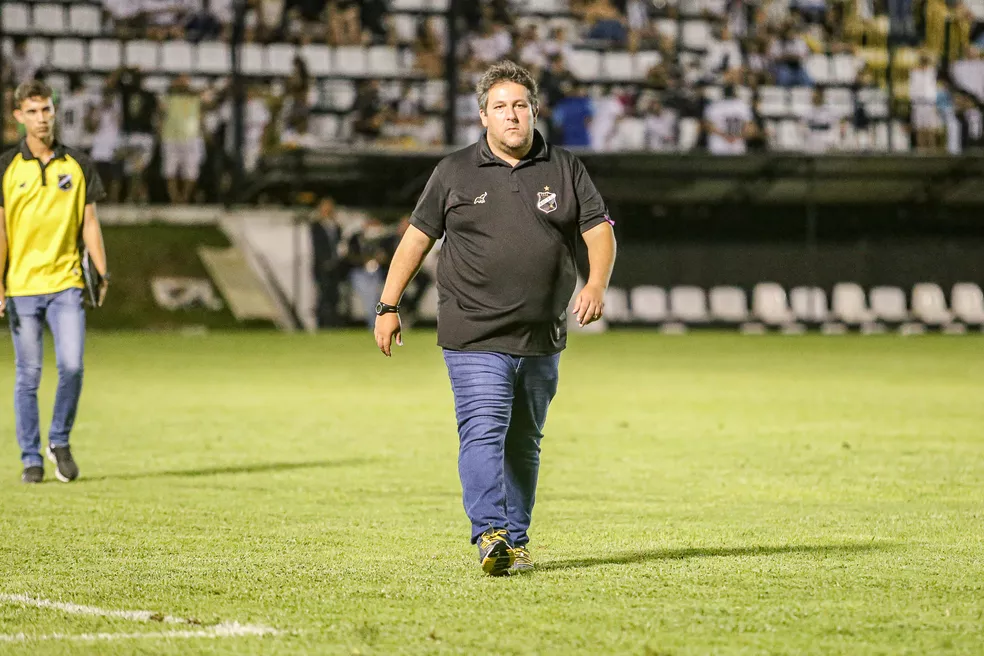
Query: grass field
x=711, y=494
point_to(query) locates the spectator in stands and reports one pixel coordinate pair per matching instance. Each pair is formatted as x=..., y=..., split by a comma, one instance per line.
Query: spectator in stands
x=723, y=54
x=344, y=22
x=106, y=120
x=728, y=122
x=789, y=52
x=492, y=44
x=167, y=18
x=629, y=133
x=971, y=124
x=922, y=94
x=572, y=116
x=327, y=264
x=141, y=122
x=269, y=19
x=73, y=114
x=21, y=66
x=126, y=16
x=181, y=140
x=428, y=51
x=606, y=24
x=256, y=121
x=530, y=50
x=607, y=110
x=558, y=44
x=370, y=112
x=821, y=126
x=661, y=126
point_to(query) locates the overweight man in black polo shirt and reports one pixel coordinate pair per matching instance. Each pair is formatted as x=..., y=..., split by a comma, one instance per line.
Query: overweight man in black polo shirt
x=510, y=208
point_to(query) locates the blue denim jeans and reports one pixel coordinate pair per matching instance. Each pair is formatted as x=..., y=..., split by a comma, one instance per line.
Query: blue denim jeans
x=501, y=406
x=64, y=314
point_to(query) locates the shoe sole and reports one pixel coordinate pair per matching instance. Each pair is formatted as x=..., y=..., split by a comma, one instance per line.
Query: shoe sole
x=498, y=560
x=58, y=474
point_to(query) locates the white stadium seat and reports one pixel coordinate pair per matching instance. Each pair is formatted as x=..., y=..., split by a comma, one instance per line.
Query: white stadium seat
x=728, y=304
x=689, y=133
x=585, y=64
x=351, y=60
x=318, y=59
x=967, y=302
x=16, y=18
x=105, y=54
x=929, y=304
x=616, y=305
x=325, y=126
x=648, y=304
x=696, y=34
x=770, y=306
x=645, y=61
x=142, y=54
x=818, y=68
x=177, y=57
x=68, y=55
x=85, y=20
x=809, y=304
x=800, y=100
x=849, y=304
x=773, y=101
x=408, y=5
x=213, y=57
x=252, y=59
x=280, y=59
x=617, y=66
x=888, y=304
x=688, y=304
x=49, y=19
x=384, y=61
x=39, y=49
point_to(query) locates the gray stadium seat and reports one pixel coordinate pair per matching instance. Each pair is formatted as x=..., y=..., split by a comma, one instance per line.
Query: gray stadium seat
x=213, y=58
x=253, y=59
x=408, y=5
x=616, y=305
x=16, y=18
x=351, y=60
x=617, y=66
x=318, y=59
x=39, y=49
x=929, y=304
x=383, y=61
x=800, y=101
x=818, y=68
x=585, y=64
x=728, y=304
x=648, y=304
x=688, y=304
x=280, y=59
x=773, y=101
x=967, y=302
x=105, y=54
x=889, y=304
x=696, y=34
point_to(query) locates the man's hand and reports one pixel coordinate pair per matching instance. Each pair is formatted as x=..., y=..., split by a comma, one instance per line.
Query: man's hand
x=590, y=304
x=3, y=301
x=103, y=288
x=388, y=326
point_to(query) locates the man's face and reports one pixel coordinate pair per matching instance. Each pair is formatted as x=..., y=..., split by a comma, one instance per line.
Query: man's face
x=38, y=116
x=327, y=208
x=509, y=116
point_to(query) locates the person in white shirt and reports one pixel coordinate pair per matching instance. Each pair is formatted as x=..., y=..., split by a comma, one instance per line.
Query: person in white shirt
x=22, y=65
x=107, y=118
x=661, y=126
x=73, y=113
x=789, y=51
x=531, y=52
x=822, y=126
x=630, y=132
x=607, y=111
x=491, y=45
x=723, y=54
x=922, y=93
x=728, y=123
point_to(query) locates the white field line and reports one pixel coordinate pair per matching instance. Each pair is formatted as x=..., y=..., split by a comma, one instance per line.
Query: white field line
x=224, y=630
x=229, y=630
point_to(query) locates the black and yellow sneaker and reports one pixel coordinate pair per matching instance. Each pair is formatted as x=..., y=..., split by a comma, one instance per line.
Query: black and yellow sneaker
x=494, y=552
x=66, y=470
x=32, y=475
x=522, y=561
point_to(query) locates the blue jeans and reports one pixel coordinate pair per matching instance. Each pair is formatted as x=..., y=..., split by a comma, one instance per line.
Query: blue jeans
x=64, y=314
x=501, y=405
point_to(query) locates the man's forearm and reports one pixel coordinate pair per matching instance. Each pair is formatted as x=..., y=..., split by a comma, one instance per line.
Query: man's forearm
x=600, y=241
x=92, y=237
x=406, y=262
x=3, y=246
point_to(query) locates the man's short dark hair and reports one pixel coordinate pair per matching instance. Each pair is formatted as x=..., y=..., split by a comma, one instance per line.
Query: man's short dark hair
x=506, y=71
x=31, y=89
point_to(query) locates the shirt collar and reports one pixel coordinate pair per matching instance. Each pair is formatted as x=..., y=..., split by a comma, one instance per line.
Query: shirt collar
x=56, y=147
x=538, y=151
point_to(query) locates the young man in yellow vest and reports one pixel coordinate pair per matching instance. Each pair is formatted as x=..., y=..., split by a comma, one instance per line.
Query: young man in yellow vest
x=47, y=200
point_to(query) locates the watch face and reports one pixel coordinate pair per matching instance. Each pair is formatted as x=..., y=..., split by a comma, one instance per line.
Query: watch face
x=379, y=308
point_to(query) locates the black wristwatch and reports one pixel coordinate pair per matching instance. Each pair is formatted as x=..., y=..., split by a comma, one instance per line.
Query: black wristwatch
x=383, y=308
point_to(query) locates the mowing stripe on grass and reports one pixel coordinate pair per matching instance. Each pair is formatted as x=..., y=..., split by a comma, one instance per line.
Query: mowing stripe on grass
x=76, y=609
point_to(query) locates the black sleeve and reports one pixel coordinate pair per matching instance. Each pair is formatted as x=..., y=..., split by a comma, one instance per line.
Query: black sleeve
x=428, y=216
x=591, y=206
x=5, y=160
x=94, y=190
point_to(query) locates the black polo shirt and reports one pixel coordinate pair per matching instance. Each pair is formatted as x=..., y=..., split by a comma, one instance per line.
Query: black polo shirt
x=506, y=270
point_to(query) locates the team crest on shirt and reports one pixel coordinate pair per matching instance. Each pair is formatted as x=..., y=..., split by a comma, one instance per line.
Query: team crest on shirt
x=546, y=201
x=65, y=181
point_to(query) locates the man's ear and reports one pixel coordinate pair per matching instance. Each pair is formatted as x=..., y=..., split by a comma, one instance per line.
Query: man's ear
x=19, y=116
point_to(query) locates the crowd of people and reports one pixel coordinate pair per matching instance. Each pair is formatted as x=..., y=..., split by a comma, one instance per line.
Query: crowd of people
x=709, y=94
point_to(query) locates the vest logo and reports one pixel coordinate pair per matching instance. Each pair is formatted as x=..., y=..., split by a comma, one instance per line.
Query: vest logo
x=65, y=181
x=546, y=201
x=481, y=199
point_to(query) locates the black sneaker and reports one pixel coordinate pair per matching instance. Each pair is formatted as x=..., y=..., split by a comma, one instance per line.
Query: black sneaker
x=494, y=552
x=522, y=561
x=65, y=468
x=32, y=475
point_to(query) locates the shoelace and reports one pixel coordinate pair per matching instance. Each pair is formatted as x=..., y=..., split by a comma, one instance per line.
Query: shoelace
x=522, y=556
x=491, y=536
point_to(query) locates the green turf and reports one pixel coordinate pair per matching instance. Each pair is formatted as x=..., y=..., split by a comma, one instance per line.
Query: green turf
x=699, y=495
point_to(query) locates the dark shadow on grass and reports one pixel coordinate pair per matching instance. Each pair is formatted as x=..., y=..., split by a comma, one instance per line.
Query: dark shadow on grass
x=632, y=557
x=256, y=468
